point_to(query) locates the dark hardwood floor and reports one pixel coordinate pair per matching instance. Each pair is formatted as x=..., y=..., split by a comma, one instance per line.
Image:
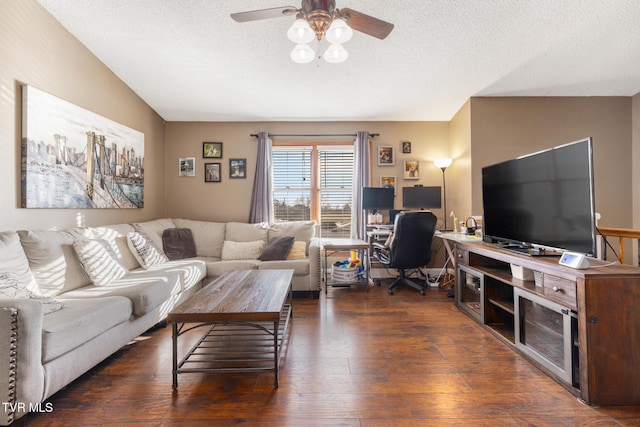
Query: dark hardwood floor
x=353, y=358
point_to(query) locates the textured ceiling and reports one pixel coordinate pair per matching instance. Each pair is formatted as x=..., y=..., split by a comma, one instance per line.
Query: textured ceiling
x=191, y=62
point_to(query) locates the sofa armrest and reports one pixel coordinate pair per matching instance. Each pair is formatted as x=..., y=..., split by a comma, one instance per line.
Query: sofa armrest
x=314, y=265
x=21, y=371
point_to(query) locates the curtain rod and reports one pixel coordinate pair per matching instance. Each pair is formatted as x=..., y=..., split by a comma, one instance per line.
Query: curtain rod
x=255, y=135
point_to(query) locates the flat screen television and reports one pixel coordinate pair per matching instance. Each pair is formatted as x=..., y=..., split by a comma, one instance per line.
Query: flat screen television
x=377, y=198
x=542, y=202
x=421, y=197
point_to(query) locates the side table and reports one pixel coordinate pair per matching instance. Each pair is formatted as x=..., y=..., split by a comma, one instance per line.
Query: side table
x=331, y=246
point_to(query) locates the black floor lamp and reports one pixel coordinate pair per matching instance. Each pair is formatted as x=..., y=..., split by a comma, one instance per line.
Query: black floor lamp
x=443, y=164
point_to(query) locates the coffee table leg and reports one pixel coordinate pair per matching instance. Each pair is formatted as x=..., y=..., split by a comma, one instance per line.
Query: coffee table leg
x=175, y=355
x=276, y=352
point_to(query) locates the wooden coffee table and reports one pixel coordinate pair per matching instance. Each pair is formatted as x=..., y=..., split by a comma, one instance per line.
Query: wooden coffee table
x=246, y=318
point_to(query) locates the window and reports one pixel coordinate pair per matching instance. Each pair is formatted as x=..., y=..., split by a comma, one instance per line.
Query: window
x=314, y=182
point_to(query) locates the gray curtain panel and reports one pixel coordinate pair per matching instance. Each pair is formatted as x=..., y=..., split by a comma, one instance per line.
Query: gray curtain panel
x=360, y=179
x=261, y=204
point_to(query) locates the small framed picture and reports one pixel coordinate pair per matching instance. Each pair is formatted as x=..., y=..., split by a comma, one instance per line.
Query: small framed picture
x=187, y=166
x=388, y=182
x=212, y=150
x=411, y=169
x=385, y=155
x=238, y=168
x=406, y=147
x=212, y=172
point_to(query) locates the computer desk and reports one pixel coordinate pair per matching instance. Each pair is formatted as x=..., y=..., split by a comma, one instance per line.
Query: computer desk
x=448, y=238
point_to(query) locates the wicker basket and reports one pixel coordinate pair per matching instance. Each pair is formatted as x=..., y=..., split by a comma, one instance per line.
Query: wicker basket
x=344, y=275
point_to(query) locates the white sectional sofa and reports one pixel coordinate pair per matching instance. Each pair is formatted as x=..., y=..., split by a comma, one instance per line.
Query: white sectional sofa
x=59, y=317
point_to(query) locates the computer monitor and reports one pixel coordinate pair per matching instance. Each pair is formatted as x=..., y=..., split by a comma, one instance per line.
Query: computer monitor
x=393, y=213
x=420, y=197
x=377, y=198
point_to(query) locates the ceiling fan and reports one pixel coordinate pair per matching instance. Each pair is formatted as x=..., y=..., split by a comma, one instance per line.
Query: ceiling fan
x=320, y=14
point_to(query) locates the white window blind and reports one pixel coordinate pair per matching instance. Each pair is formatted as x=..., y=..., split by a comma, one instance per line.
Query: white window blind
x=336, y=181
x=291, y=183
x=298, y=187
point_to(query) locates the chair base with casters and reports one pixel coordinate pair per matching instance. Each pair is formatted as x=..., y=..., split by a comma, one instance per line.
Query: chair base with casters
x=402, y=280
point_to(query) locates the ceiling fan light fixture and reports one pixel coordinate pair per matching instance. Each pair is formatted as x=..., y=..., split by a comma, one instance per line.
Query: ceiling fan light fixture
x=302, y=54
x=300, y=32
x=339, y=32
x=335, y=54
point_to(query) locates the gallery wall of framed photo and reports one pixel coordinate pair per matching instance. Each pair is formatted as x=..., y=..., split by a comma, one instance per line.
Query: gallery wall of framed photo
x=212, y=171
x=402, y=162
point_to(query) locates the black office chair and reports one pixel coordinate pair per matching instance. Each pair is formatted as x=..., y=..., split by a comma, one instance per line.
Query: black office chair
x=410, y=247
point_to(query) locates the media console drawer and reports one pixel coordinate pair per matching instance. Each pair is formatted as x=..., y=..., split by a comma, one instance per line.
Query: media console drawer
x=559, y=289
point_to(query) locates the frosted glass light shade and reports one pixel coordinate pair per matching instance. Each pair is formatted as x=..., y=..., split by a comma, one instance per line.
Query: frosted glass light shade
x=336, y=54
x=443, y=163
x=300, y=32
x=339, y=32
x=302, y=54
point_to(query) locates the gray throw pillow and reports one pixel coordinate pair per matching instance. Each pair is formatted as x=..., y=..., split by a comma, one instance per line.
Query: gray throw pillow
x=277, y=249
x=178, y=243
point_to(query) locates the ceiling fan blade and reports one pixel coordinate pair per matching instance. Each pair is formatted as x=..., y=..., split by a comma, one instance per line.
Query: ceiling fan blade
x=255, y=15
x=366, y=24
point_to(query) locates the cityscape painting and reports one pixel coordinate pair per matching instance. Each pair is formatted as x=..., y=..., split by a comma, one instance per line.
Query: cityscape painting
x=74, y=158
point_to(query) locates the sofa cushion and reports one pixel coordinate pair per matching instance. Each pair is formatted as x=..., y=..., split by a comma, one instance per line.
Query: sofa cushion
x=242, y=250
x=14, y=260
x=116, y=235
x=80, y=321
x=300, y=267
x=99, y=261
x=298, y=250
x=243, y=232
x=11, y=287
x=52, y=259
x=154, y=228
x=146, y=290
x=301, y=230
x=208, y=236
x=191, y=271
x=145, y=250
x=278, y=248
x=217, y=268
x=178, y=243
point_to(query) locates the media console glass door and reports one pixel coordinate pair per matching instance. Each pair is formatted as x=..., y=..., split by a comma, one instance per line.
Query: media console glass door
x=471, y=292
x=546, y=331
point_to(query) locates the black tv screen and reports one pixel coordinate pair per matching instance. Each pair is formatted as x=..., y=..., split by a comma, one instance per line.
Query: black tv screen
x=542, y=200
x=421, y=197
x=377, y=198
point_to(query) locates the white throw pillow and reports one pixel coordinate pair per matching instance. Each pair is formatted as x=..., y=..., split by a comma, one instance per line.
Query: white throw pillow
x=11, y=287
x=145, y=250
x=99, y=261
x=242, y=250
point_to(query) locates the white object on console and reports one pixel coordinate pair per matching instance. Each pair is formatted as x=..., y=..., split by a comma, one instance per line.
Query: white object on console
x=574, y=260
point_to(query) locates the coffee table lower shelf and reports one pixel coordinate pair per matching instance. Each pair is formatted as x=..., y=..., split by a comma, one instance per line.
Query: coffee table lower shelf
x=233, y=346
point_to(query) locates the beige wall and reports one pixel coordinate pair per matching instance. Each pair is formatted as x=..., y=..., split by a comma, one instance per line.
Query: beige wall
x=458, y=175
x=229, y=200
x=503, y=128
x=636, y=161
x=36, y=50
